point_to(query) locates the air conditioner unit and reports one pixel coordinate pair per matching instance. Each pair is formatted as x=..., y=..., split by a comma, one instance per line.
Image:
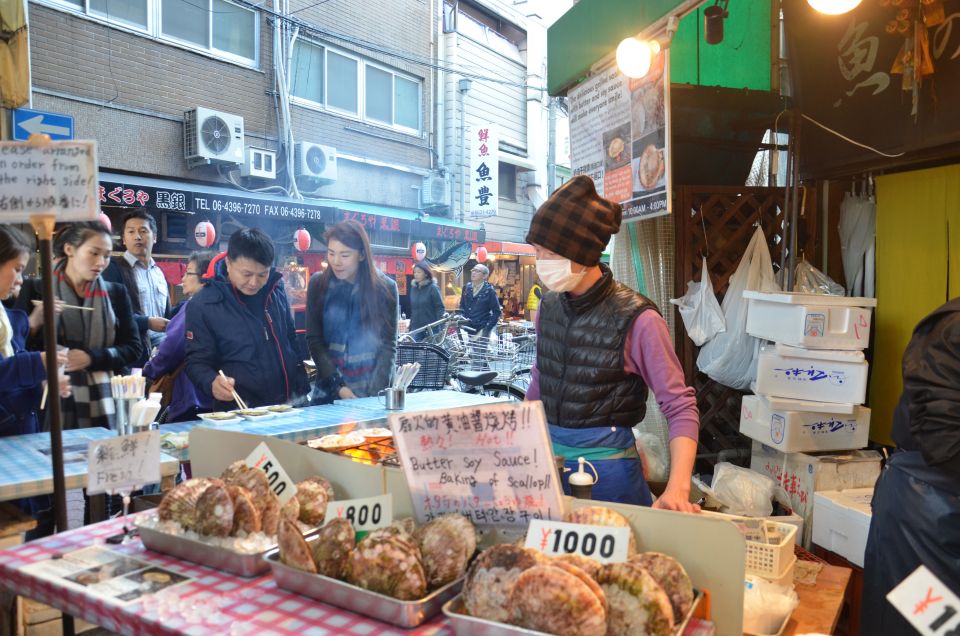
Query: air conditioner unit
x=259, y=163
x=315, y=162
x=436, y=190
x=210, y=136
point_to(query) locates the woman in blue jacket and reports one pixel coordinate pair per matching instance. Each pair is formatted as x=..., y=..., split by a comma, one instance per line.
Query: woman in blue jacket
x=22, y=372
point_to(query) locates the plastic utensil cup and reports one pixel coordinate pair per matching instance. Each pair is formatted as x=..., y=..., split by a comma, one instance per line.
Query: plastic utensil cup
x=392, y=399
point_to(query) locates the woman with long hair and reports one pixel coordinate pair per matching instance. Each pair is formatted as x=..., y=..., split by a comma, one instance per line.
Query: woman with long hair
x=102, y=339
x=352, y=314
x=426, y=303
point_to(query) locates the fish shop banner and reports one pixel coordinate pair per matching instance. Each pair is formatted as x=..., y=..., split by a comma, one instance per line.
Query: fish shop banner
x=484, y=173
x=618, y=137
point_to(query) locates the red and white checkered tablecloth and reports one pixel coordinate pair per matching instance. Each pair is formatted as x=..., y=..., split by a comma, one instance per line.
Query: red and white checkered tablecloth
x=214, y=602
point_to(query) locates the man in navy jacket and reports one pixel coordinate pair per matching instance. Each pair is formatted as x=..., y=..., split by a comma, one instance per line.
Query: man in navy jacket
x=241, y=323
x=479, y=303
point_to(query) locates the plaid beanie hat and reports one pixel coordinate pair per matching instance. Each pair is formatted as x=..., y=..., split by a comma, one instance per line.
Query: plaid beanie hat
x=576, y=222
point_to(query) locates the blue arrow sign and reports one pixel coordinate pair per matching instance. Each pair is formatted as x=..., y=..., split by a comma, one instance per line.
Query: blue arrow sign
x=27, y=121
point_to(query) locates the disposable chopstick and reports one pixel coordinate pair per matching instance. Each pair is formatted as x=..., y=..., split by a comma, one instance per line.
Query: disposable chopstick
x=66, y=306
x=236, y=396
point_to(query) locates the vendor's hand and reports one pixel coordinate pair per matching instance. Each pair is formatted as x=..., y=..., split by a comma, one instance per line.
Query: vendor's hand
x=223, y=387
x=157, y=324
x=346, y=393
x=78, y=360
x=674, y=499
x=36, y=316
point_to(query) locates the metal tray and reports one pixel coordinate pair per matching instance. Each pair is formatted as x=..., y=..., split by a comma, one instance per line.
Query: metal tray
x=465, y=625
x=212, y=556
x=358, y=600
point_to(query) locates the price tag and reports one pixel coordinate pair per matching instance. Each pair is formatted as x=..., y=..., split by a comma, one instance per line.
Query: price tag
x=123, y=463
x=927, y=603
x=277, y=477
x=368, y=513
x=601, y=543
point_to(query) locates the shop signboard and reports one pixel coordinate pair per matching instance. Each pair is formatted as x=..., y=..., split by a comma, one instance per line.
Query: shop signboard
x=58, y=178
x=619, y=136
x=491, y=463
x=123, y=463
x=484, y=176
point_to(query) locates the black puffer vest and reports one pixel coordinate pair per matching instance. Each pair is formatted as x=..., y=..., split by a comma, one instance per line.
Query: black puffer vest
x=580, y=356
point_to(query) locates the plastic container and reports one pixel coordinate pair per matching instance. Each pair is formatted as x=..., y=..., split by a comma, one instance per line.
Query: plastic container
x=793, y=426
x=813, y=321
x=769, y=560
x=810, y=374
x=786, y=577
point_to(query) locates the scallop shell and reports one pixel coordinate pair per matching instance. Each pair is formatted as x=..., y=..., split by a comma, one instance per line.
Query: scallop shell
x=294, y=550
x=588, y=565
x=553, y=600
x=323, y=483
x=491, y=577
x=602, y=516
x=180, y=504
x=246, y=517
x=388, y=564
x=584, y=576
x=445, y=548
x=269, y=513
x=313, y=498
x=214, y=512
x=406, y=525
x=671, y=576
x=255, y=481
x=332, y=547
x=290, y=510
x=636, y=605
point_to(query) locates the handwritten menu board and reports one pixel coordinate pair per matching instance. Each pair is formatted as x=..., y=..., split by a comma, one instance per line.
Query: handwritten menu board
x=56, y=178
x=492, y=463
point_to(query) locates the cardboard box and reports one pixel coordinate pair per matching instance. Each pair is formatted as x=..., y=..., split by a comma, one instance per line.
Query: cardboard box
x=801, y=426
x=811, y=374
x=802, y=474
x=813, y=321
x=843, y=522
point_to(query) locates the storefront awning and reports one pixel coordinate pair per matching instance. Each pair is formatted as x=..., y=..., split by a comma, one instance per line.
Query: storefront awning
x=166, y=195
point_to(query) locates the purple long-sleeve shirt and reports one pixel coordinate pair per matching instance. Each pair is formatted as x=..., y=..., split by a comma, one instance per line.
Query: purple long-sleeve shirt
x=170, y=354
x=648, y=352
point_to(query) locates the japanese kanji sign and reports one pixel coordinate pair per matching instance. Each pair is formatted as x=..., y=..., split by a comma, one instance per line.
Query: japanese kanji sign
x=126, y=462
x=58, y=178
x=492, y=463
x=484, y=182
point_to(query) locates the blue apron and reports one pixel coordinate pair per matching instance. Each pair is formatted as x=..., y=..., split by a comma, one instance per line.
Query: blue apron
x=613, y=452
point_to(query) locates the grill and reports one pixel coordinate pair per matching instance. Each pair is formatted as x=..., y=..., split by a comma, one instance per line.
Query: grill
x=376, y=452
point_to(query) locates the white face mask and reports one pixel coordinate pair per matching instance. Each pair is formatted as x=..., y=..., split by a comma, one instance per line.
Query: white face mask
x=557, y=274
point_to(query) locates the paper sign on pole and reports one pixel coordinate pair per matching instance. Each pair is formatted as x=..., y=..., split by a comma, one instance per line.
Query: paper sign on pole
x=492, y=463
x=927, y=603
x=484, y=177
x=58, y=178
x=263, y=459
x=123, y=463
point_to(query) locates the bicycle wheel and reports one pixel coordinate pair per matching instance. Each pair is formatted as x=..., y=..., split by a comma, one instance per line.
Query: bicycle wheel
x=505, y=390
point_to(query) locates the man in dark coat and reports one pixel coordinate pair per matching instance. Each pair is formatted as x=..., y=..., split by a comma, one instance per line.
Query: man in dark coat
x=479, y=303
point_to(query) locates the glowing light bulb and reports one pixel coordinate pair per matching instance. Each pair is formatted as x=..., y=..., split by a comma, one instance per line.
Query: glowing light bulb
x=634, y=57
x=834, y=7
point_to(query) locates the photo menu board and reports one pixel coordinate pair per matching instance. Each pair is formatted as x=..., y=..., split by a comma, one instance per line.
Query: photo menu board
x=619, y=136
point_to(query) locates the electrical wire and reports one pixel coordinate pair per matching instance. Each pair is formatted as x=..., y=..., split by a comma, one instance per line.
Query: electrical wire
x=851, y=141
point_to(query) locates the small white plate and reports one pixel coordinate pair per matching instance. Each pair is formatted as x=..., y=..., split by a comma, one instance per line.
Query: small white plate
x=267, y=415
x=206, y=417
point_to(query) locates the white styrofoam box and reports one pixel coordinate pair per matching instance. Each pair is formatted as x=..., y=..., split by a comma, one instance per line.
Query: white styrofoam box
x=843, y=522
x=811, y=374
x=802, y=428
x=814, y=321
x=803, y=474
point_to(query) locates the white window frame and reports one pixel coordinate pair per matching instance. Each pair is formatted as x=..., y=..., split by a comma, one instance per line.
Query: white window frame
x=361, y=114
x=155, y=26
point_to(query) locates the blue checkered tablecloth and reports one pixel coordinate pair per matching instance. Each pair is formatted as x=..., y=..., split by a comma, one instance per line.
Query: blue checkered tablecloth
x=26, y=468
x=425, y=401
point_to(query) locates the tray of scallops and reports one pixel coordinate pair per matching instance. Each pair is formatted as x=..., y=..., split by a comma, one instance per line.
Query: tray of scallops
x=400, y=574
x=229, y=523
x=511, y=590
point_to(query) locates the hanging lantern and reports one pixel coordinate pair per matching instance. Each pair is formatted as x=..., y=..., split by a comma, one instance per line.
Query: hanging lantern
x=106, y=221
x=482, y=255
x=301, y=240
x=418, y=251
x=204, y=234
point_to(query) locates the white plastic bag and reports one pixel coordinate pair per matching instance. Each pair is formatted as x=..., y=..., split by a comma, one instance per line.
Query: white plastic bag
x=743, y=491
x=810, y=280
x=766, y=606
x=731, y=357
x=700, y=310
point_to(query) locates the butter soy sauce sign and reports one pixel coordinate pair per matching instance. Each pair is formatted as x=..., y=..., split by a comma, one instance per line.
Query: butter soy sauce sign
x=278, y=479
x=123, y=463
x=368, y=513
x=600, y=543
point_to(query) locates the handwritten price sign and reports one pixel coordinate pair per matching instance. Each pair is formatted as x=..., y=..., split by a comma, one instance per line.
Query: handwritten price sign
x=368, y=513
x=600, y=543
x=927, y=603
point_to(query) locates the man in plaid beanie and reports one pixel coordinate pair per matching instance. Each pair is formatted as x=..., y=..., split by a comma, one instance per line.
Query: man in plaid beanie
x=601, y=347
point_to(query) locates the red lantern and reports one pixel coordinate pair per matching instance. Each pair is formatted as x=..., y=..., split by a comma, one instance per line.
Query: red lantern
x=204, y=234
x=106, y=221
x=301, y=240
x=418, y=251
x=482, y=255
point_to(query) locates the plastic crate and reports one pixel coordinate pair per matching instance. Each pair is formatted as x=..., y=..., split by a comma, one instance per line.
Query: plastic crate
x=770, y=560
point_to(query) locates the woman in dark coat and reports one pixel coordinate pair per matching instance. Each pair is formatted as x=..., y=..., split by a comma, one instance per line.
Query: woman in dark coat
x=426, y=303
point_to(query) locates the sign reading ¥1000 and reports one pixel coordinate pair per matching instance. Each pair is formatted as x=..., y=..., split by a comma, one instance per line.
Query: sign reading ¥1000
x=491, y=463
x=58, y=178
